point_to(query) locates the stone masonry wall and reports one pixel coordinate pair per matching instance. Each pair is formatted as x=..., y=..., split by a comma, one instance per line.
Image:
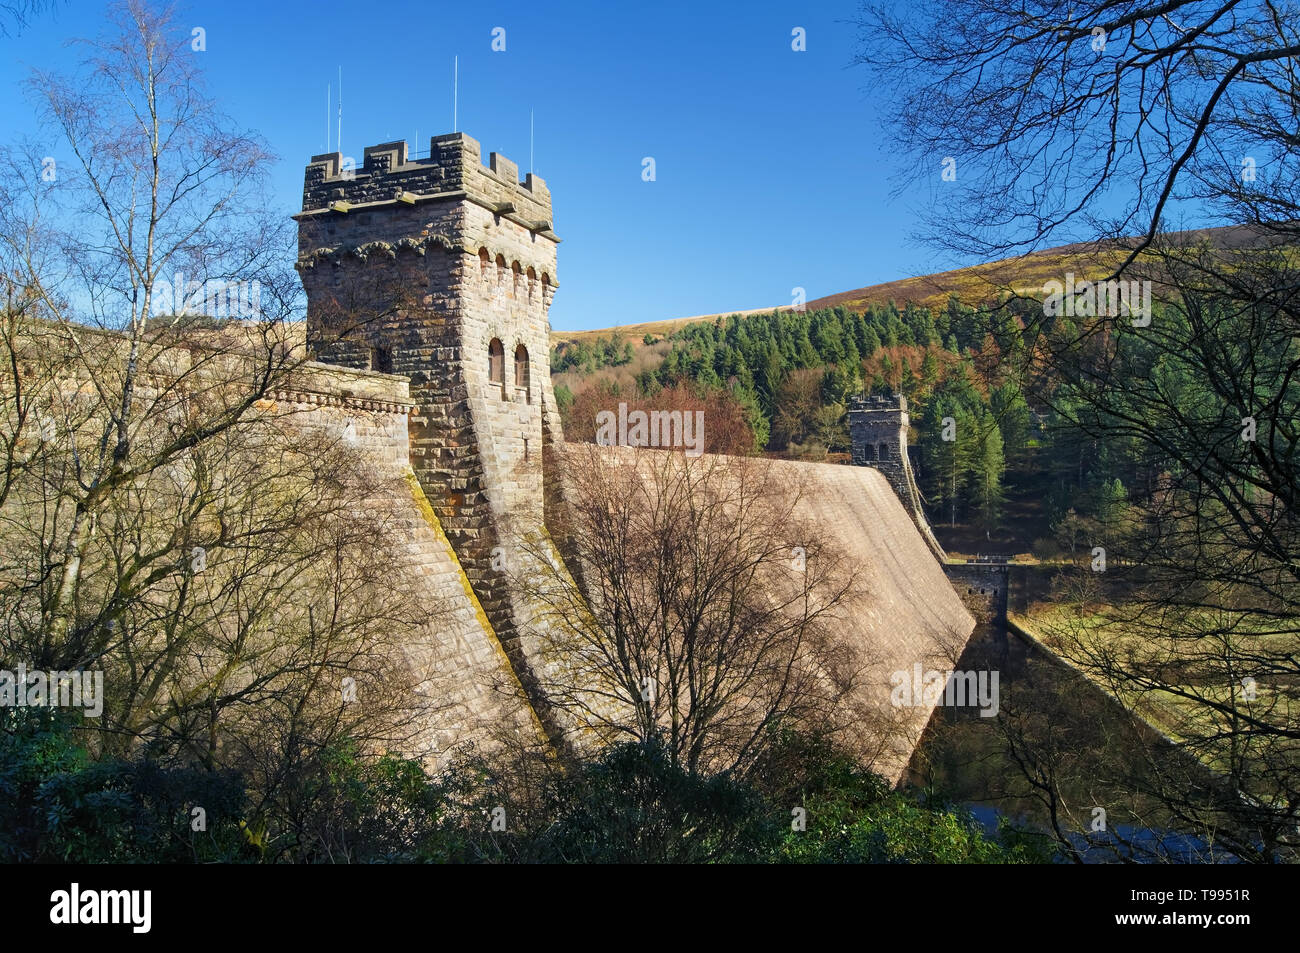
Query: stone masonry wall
x=982, y=588
x=900, y=610
x=461, y=666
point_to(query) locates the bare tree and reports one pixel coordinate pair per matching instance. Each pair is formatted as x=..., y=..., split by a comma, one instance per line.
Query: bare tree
x=167, y=515
x=1107, y=119
x=1064, y=120
x=701, y=608
x=15, y=16
x=162, y=195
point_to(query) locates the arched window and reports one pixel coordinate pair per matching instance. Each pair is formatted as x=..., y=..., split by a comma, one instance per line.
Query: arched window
x=484, y=262
x=501, y=269
x=516, y=275
x=884, y=451
x=532, y=283
x=497, y=362
x=521, y=372
x=869, y=451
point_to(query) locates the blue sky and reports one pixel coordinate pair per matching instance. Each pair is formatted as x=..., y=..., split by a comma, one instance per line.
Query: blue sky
x=772, y=170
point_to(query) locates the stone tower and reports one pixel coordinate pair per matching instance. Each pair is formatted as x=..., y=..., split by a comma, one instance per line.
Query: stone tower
x=878, y=433
x=442, y=269
x=878, y=430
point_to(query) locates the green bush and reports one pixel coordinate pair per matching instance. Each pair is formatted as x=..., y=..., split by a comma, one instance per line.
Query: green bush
x=804, y=802
x=58, y=805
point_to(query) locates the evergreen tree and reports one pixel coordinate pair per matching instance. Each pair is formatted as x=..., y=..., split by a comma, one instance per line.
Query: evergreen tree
x=929, y=373
x=870, y=342
x=988, y=464
x=1012, y=414
x=954, y=462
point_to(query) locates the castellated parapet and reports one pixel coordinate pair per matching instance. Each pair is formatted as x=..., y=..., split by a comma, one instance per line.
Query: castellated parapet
x=878, y=429
x=453, y=170
x=442, y=270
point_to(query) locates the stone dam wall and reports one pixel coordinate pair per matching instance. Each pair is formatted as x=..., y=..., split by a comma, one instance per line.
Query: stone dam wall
x=901, y=609
x=459, y=661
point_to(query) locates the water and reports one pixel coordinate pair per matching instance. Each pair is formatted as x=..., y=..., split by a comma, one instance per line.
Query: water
x=1061, y=757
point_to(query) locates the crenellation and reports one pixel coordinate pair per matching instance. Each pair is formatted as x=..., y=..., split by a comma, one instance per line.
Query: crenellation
x=504, y=168
x=453, y=171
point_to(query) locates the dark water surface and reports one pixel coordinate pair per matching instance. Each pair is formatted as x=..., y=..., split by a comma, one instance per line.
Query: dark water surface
x=1054, y=729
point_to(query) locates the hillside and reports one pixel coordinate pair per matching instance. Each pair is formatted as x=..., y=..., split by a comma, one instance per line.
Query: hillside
x=790, y=376
x=1023, y=274
x=636, y=332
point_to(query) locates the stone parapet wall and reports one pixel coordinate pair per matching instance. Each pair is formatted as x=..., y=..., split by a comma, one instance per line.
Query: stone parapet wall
x=453, y=169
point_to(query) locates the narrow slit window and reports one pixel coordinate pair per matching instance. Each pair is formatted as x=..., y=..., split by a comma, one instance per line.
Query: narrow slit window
x=497, y=362
x=521, y=372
